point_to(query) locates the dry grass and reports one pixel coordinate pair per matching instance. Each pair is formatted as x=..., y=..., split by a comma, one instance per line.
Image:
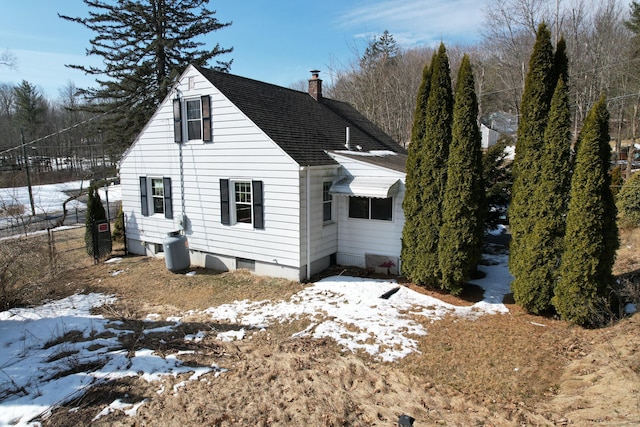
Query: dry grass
x=628, y=256
x=500, y=370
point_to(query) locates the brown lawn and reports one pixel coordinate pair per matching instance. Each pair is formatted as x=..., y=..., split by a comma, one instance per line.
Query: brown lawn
x=499, y=370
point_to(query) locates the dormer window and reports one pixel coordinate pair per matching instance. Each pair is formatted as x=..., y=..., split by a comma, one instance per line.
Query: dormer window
x=197, y=123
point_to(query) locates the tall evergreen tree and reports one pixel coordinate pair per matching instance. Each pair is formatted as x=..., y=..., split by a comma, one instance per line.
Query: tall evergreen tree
x=591, y=238
x=412, y=203
x=536, y=100
x=548, y=208
x=633, y=24
x=460, y=241
x=498, y=180
x=144, y=45
x=95, y=212
x=30, y=107
x=424, y=267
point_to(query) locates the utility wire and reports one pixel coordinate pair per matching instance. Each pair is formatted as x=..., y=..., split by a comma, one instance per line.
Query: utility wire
x=61, y=131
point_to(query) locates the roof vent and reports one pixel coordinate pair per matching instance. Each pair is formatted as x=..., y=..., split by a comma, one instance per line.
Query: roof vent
x=315, y=85
x=347, y=142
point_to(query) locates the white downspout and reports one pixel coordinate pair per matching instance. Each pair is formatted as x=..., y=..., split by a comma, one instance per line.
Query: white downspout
x=308, y=223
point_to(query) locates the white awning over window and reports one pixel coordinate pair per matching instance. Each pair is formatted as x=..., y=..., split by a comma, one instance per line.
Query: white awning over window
x=366, y=187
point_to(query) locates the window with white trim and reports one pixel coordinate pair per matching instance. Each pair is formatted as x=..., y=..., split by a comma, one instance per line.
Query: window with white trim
x=155, y=196
x=242, y=205
x=241, y=202
x=371, y=208
x=327, y=202
x=192, y=118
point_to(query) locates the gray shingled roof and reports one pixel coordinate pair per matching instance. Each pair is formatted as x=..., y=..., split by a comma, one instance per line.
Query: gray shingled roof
x=303, y=127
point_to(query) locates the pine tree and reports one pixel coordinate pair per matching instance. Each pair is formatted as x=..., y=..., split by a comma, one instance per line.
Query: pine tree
x=412, y=203
x=540, y=84
x=95, y=212
x=591, y=238
x=144, y=46
x=633, y=24
x=424, y=268
x=460, y=241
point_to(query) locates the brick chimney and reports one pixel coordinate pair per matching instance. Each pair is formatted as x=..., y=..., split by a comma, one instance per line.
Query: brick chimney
x=315, y=85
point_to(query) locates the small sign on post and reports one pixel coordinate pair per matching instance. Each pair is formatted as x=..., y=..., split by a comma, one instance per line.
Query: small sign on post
x=101, y=240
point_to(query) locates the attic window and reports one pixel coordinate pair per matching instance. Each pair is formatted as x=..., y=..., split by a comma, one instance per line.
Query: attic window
x=194, y=120
x=197, y=123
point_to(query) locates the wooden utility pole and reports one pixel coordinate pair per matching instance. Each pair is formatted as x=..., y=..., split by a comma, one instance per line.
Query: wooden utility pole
x=26, y=168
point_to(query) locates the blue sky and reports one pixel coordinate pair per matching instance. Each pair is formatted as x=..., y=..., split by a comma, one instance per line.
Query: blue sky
x=276, y=41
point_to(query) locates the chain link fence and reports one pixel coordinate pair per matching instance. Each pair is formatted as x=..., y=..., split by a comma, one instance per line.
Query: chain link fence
x=36, y=258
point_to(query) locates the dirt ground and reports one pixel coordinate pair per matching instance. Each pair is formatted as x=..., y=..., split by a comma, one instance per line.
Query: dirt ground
x=500, y=370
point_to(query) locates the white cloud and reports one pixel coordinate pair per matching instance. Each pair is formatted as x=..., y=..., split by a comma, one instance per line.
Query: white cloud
x=418, y=22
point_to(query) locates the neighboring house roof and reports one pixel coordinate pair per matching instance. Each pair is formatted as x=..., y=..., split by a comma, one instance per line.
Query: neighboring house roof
x=303, y=127
x=503, y=122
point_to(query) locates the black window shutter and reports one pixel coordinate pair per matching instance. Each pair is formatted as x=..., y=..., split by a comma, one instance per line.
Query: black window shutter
x=206, y=118
x=144, y=202
x=224, y=202
x=168, y=206
x=258, y=205
x=177, y=120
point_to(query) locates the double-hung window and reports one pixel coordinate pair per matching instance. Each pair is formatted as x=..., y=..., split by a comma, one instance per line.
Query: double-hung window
x=371, y=208
x=241, y=202
x=327, y=202
x=243, y=207
x=192, y=119
x=155, y=196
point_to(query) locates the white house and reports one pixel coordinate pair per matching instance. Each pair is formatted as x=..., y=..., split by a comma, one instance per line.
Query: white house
x=282, y=182
x=489, y=136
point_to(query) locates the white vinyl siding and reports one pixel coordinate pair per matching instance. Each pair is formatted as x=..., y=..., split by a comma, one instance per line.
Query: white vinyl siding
x=358, y=237
x=240, y=152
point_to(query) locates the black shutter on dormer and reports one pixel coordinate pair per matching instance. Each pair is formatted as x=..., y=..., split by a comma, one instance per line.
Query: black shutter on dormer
x=177, y=121
x=168, y=205
x=144, y=202
x=258, y=205
x=225, y=217
x=205, y=101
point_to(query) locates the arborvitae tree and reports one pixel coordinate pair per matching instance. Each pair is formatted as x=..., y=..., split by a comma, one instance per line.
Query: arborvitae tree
x=95, y=212
x=417, y=131
x=460, y=241
x=412, y=203
x=548, y=208
x=616, y=180
x=629, y=201
x=591, y=238
x=540, y=84
x=498, y=180
x=118, y=226
x=144, y=46
x=424, y=267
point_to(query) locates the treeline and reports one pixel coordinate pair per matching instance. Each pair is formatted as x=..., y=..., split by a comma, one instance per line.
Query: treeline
x=49, y=136
x=600, y=41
